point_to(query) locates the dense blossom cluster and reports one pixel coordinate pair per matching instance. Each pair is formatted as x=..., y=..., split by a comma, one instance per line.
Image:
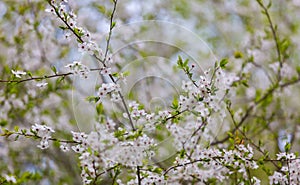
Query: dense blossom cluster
x=85, y=45
x=109, y=88
x=290, y=169
x=78, y=69
x=44, y=132
x=211, y=163
x=101, y=149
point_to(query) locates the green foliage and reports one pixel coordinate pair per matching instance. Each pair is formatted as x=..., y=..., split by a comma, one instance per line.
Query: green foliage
x=223, y=63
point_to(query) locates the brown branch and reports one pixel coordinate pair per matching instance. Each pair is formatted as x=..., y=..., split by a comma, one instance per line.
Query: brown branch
x=36, y=78
x=38, y=137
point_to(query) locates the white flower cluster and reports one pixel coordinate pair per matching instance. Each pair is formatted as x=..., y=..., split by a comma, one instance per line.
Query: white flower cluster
x=194, y=93
x=141, y=117
x=148, y=179
x=101, y=149
x=77, y=68
x=199, y=97
x=132, y=153
x=278, y=178
x=106, y=71
x=85, y=45
x=208, y=109
x=109, y=88
x=102, y=138
x=92, y=149
x=44, y=132
x=135, y=111
x=81, y=138
x=291, y=168
x=211, y=163
x=153, y=178
x=18, y=74
x=89, y=47
x=87, y=161
x=10, y=179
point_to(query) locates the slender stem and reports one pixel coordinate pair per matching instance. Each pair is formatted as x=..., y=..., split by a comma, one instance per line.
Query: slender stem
x=220, y=157
x=51, y=139
x=105, y=171
x=115, y=177
x=65, y=21
x=247, y=138
x=110, y=29
x=36, y=78
x=289, y=174
x=43, y=77
x=275, y=36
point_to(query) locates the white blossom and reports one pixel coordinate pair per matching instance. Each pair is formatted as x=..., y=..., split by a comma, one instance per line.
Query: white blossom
x=18, y=74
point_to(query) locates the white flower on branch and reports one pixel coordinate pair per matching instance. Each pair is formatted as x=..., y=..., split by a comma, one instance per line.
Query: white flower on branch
x=18, y=73
x=64, y=147
x=44, y=132
x=77, y=68
x=10, y=178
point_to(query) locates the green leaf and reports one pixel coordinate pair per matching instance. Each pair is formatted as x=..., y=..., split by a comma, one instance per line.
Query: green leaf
x=100, y=8
x=223, y=63
x=59, y=80
x=6, y=133
x=284, y=44
x=267, y=100
x=238, y=54
x=270, y=4
x=53, y=68
x=185, y=64
x=298, y=69
x=216, y=64
x=24, y=131
x=113, y=24
x=182, y=153
x=94, y=99
x=258, y=94
x=179, y=62
x=287, y=147
x=126, y=73
x=158, y=170
x=63, y=27
x=245, y=83
x=16, y=128
x=29, y=74
x=116, y=74
x=100, y=109
x=3, y=123
x=17, y=137
x=175, y=103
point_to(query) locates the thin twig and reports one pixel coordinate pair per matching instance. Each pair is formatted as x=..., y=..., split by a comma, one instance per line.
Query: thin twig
x=36, y=78
x=275, y=37
x=111, y=26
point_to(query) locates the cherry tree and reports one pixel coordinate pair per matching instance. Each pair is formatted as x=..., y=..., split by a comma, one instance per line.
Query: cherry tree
x=150, y=92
